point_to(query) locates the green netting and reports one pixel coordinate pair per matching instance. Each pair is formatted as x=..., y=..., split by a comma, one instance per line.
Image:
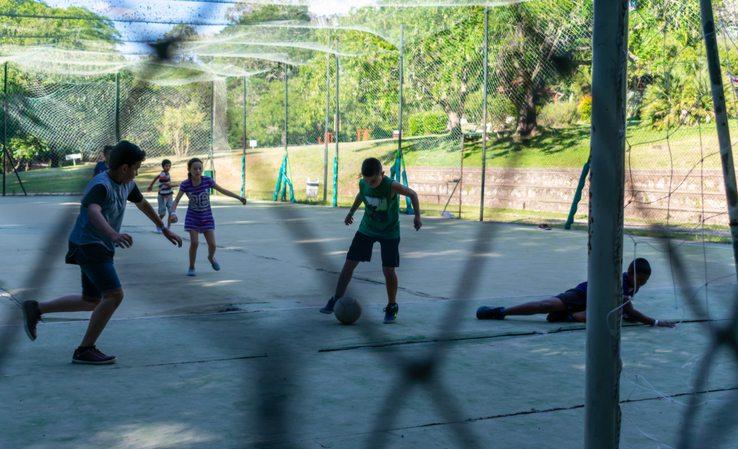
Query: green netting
x=62, y=100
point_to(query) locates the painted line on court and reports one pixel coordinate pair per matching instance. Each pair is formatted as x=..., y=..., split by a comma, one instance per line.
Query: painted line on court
x=571, y=407
x=487, y=337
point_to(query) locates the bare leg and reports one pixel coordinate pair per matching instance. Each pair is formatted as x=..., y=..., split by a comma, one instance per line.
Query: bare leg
x=100, y=317
x=549, y=305
x=210, y=238
x=343, y=280
x=194, y=242
x=390, y=278
x=69, y=303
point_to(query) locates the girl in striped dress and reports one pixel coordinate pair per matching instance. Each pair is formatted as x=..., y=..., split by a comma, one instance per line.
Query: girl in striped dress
x=199, y=218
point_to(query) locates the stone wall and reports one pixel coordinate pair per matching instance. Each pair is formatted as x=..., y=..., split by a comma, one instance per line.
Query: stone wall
x=647, y=191
x=538, y=189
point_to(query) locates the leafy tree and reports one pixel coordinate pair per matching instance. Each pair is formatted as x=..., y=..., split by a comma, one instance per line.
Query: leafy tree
x=250, y=14
x=535, y=45
x=667, y=64
x=89, y=31
x=445, y=66
x=28, y=148
x=179, y=124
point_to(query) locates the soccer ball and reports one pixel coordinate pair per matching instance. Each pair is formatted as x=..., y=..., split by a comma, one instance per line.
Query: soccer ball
x=347, y=310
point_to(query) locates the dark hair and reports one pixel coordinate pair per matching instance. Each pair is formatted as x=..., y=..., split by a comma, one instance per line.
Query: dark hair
x=125, y=153
x=640, y=266
x=107, y=149
x=165, y=162
x=371, y=167
x=189, y=165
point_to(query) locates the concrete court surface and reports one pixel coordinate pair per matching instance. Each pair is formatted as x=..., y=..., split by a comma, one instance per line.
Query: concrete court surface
x=241, y=358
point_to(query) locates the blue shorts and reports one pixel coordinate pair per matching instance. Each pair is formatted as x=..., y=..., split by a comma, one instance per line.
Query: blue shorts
x=96, y=264
x=98, y=278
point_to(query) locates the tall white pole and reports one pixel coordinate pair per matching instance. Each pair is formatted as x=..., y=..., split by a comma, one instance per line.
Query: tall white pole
x=607, y=182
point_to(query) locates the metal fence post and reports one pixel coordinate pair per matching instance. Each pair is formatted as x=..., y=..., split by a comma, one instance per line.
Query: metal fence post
x=401, y=91
x=484, y=112
x=286, y=109
x=212, y=125
x=117, y=106
x=721, y=121
x=461, y=174
x=5, y=122
x=336, y=130
x=577, y=195
x=327, y=124
x=7, y=155
x=607, y=184
x=244, y=141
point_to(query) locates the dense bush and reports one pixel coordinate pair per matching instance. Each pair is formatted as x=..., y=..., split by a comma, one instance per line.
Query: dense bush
x=584, y=108
x=675, y=104
x=29, y=149
x=431, y=122
x=561, y=114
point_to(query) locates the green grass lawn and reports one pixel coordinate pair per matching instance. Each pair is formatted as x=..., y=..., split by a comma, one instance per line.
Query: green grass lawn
x=553, y=148
x=569, y=148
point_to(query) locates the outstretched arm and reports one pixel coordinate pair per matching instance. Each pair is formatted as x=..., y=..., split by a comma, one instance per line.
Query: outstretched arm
x=149, y=211
x=410, y=193
x=643, y=318
x=350, y=216
x=94, y=214
x=227, y=192
x=176, y=200
x=151, y=184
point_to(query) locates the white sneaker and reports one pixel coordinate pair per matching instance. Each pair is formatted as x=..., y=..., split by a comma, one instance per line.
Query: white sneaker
x=190, y=272
x=158, y=231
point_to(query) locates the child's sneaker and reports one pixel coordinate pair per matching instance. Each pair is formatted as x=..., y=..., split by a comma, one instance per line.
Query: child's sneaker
x=491, y=313
x=390, y=313
x=190, y=272
x=214, y=263
x=31, y=317
x=90, y=355
x=328, y=307
x=157, y=230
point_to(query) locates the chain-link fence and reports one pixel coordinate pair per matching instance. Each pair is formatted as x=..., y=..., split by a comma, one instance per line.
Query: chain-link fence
x=411, y=92
x=322, y=95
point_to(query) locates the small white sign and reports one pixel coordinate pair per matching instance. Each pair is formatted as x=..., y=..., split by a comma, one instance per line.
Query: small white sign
x=252, y=143
x=74, y=158
x=311, y=188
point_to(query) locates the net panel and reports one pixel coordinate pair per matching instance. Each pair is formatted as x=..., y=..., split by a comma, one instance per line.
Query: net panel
x=538, y=102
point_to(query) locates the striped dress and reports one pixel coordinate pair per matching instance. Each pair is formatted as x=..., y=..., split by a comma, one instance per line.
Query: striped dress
x=199, y=216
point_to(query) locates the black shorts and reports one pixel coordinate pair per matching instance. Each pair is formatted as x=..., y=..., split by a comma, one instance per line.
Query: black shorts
x=362, y=246
x=574, y=300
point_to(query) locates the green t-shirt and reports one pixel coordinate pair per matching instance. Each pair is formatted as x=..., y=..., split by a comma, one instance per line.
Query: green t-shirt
x=381, y=210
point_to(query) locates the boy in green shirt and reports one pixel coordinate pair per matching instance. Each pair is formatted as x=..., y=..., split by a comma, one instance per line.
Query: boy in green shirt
x=381, y=223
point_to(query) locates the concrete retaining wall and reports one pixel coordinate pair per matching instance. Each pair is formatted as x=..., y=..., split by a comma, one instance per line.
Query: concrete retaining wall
x=543, y=189
x=647, y=191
